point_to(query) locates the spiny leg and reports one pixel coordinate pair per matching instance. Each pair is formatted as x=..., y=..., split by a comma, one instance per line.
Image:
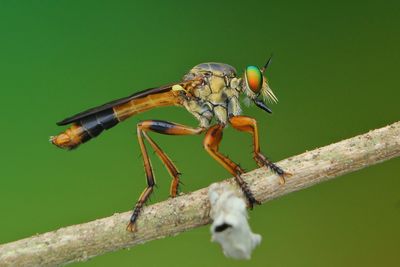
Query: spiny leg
x=171, y=168
x=168, y=128
x=249, y=125
x=162, y=127
x=150, y=182
x=211, y=144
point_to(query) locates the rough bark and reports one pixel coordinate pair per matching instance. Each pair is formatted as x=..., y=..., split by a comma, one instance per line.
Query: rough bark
x=173, y=216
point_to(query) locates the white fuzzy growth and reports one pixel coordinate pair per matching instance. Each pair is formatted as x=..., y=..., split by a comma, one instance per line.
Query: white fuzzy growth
x=230, y=227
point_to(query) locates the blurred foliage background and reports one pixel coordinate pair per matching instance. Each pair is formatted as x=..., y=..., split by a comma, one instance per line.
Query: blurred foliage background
x=335, y=71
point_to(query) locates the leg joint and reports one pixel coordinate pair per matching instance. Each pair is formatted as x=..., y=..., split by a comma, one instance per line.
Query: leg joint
x=151, y=183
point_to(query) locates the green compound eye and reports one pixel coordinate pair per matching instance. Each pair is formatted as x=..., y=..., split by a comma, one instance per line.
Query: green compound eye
x=254, y=78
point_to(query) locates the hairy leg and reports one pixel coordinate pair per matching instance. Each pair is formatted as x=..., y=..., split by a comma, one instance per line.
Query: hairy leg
x=211, y=144
x=249, y=125
x=162, y=127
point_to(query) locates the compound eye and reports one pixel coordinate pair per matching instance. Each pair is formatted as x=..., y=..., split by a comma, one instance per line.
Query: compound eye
x=254, y=78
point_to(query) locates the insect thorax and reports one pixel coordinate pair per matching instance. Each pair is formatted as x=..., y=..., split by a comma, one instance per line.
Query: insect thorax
x=217, y=96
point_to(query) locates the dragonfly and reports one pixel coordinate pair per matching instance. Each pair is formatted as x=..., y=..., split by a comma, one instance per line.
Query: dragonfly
x=210, y=92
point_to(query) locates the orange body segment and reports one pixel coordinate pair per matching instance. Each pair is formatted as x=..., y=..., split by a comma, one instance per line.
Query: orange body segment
x=69, y=139
x=89, y=127
x=143, y=104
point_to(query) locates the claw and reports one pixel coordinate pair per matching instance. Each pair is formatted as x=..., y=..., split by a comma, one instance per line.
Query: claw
x=282, y=180
x=263, y=161
x=283, y=176
x=131, y=227
x=253, y=202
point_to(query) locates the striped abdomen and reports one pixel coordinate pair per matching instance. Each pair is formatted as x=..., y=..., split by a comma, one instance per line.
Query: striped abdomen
x=88, y=127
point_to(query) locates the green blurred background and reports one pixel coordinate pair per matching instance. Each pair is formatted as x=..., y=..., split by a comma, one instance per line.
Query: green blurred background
x=335, y=71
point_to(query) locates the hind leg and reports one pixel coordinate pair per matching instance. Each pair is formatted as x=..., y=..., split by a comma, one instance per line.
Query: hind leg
x=169, y=165
x=249, y=125
x=149, y=178
x=162, y=127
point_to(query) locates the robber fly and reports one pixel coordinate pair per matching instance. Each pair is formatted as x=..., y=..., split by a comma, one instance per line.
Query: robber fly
x=208, y=91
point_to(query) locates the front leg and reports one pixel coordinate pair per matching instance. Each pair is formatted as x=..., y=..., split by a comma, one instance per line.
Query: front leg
x=249, y=125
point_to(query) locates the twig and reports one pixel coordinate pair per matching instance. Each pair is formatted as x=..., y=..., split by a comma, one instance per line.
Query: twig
x=171, y=217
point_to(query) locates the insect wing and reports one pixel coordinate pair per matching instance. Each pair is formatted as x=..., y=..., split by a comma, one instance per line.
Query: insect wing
x=120, y=101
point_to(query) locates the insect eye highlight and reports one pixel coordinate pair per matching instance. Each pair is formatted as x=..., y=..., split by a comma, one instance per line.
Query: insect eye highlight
x=254, y=78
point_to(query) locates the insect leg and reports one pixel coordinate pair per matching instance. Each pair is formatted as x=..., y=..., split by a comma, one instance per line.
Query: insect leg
x=162, y=127
x=171, y=168
x=249, y=125
x=150, y=182
x=169, y=128
x=211, y=145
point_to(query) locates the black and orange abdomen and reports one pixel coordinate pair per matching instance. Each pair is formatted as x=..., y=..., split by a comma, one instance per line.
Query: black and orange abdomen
x=87, y=127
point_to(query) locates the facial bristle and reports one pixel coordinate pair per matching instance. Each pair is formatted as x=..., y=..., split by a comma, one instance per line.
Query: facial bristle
x=269, y=95
x=272, y=95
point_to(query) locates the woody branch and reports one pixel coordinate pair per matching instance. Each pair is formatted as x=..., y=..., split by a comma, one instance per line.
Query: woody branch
x=173, y=216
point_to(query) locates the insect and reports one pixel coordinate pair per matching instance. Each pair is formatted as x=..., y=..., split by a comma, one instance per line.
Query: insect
x=210, y=92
